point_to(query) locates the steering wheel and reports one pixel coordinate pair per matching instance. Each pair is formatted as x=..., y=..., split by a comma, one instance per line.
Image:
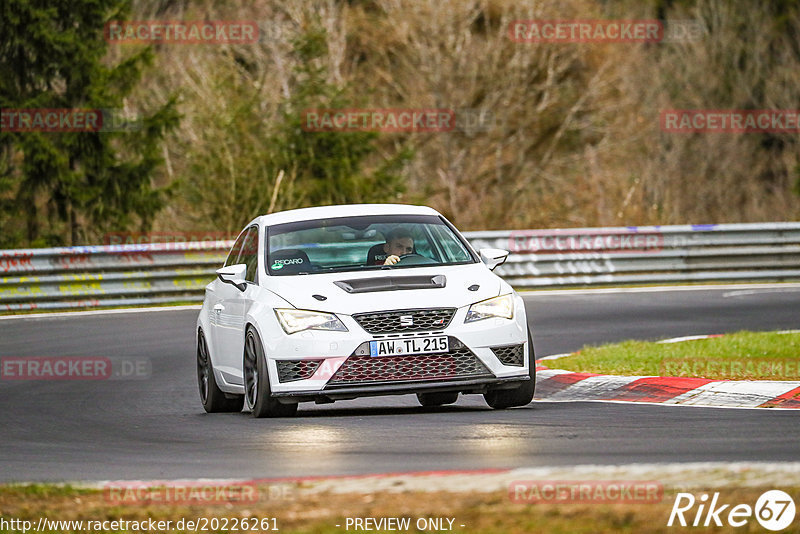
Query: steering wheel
x=414, y=259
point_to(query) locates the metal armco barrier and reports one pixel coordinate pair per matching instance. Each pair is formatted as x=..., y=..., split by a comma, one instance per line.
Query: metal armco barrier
x=108, y=275
x=647, y=254
x=119, y=275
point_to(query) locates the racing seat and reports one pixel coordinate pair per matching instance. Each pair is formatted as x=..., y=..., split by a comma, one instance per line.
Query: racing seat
x=289, y=261
x=376, y=255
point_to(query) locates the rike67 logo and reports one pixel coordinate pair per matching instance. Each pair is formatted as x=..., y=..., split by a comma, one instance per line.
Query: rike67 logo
x=774, y=510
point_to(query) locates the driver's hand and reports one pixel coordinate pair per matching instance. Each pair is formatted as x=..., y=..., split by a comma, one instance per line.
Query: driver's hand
x=391, y=260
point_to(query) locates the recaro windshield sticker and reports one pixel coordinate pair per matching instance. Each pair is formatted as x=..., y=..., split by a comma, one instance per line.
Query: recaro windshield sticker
x=279, y=264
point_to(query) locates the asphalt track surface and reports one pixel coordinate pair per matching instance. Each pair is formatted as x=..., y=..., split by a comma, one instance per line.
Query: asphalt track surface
x=155, y=428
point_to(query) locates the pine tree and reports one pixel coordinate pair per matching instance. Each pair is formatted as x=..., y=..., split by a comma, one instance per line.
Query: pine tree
x=64, y=188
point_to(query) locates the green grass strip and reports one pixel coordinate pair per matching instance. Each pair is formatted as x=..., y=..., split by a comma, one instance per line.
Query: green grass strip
x=740, y=356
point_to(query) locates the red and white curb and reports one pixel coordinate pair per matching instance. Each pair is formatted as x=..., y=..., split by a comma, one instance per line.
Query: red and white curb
x=559, y=385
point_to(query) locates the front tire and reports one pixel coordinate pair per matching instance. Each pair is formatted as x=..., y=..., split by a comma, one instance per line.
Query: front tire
x=500, y=399
x=437, y=399
x=214, y=399
x=258, y=396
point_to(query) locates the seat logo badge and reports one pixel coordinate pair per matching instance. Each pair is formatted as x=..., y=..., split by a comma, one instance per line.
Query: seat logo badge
x=406, y=320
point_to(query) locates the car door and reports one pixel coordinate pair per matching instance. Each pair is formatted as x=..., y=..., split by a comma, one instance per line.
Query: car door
x=221, y=318
x=232, y=306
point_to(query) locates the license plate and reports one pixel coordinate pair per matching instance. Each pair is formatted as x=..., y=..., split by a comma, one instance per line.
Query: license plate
x=411, y=345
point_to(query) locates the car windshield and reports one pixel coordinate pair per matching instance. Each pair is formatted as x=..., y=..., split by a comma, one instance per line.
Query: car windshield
x=363, y=243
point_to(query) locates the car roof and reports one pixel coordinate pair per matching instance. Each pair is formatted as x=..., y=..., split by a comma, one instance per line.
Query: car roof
x=344, y=210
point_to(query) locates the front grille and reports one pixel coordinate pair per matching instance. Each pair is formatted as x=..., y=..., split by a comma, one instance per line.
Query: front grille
x=405, y=320
x=291, y=370
x=510, y=355
x=457, y=363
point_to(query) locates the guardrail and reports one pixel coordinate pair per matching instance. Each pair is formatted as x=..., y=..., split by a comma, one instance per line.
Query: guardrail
x=121, y=275
x=645, y=255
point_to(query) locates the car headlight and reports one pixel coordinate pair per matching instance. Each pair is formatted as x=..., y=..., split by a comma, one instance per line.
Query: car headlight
x=298, y=320
x=502, y=306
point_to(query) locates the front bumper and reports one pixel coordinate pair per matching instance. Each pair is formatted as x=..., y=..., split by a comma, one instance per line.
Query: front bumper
x=471, y=385
x=333, y=349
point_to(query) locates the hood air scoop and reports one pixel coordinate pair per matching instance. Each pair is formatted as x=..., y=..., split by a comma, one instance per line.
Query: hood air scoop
x=392, y=283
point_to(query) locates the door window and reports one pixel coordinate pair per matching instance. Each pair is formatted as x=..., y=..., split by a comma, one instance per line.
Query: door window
x=249, y=254
x=233, y=256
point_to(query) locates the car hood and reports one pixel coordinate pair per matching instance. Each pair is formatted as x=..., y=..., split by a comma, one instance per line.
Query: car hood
x=356, y=292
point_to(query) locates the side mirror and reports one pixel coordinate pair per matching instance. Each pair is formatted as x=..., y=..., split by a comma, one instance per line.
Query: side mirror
x=234, y=275
x=492, y=257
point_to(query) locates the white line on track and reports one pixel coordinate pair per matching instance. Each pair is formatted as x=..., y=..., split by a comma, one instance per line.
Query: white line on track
x=656, y=289
x=687, y=338
x=748, y=292
x=554, y=356
x=99, y=312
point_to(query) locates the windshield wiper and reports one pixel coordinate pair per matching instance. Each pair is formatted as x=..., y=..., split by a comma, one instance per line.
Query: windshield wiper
x=350, y=268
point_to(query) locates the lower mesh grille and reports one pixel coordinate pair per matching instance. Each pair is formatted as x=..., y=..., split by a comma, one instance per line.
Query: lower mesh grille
x=511, y=355
x=291, y=370
x=365, y=369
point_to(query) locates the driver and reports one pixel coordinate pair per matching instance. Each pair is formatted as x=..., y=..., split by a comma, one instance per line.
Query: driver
x=398, y=243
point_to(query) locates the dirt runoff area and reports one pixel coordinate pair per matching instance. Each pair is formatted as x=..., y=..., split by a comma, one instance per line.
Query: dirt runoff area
x=718, y=497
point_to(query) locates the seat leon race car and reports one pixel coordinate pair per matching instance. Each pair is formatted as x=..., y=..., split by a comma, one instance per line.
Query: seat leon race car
x=332, y=303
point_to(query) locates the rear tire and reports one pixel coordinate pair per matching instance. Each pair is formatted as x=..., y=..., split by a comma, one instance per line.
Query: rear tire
x=214, y=399
x=258, y=396
x=437, y=399
x=500, y=399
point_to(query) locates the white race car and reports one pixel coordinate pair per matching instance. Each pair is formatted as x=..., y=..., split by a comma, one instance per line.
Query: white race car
x=338, y=302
